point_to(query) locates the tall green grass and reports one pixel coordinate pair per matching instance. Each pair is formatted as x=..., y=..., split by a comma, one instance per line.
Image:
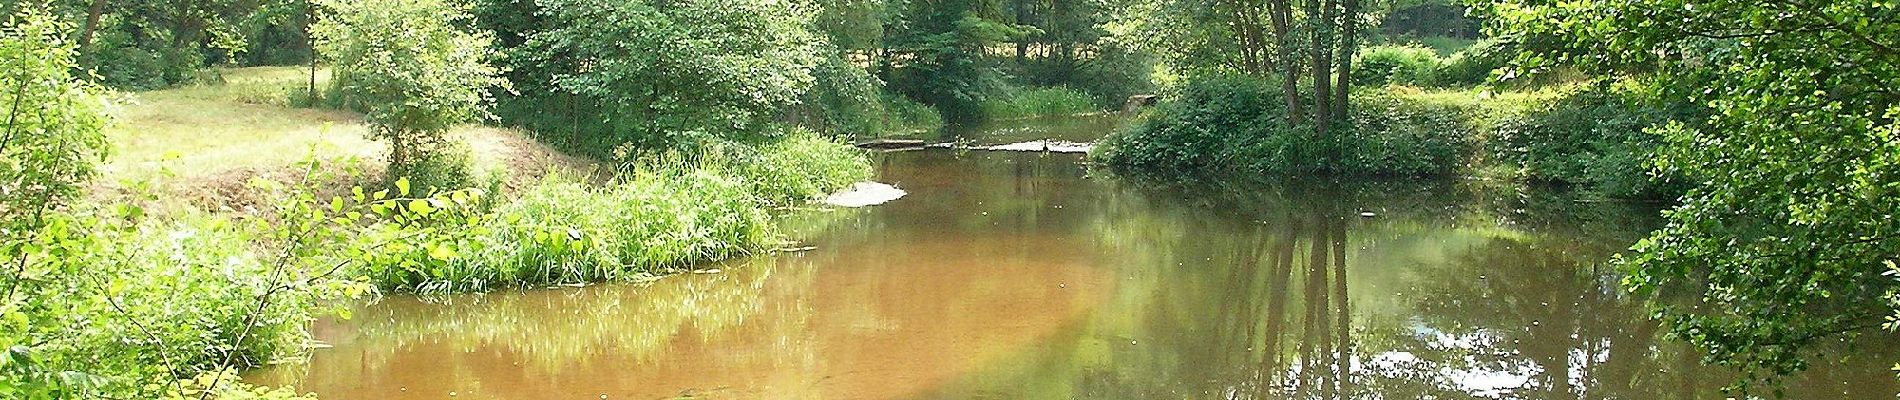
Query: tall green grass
x=1038, y=102
x=569, y=232
x=653, y=218
x=792, y=169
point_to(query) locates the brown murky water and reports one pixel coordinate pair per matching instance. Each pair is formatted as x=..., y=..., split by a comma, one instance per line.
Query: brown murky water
x=1017, y=275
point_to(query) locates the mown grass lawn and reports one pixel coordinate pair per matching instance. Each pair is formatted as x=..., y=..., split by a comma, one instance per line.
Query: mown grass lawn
x=244, y=125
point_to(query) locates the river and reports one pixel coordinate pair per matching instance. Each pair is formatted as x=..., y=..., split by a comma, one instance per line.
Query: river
x=1009, y=275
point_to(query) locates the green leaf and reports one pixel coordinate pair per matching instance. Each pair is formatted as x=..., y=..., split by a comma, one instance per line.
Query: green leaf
x=402, y=186
x=421, y=207
x=441, y=252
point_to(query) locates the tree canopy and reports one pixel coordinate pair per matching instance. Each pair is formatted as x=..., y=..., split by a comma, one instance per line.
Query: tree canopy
x=662, y=73
x=410, y=68
x=1786, y=236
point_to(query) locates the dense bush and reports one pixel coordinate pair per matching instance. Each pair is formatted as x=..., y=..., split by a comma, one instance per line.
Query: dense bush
x=110, y=302
x=120, y=62
x=655, y=217
x=449, y=166
x=1038, y=102
x=847, y=101
x=1403, y=135
x=1592, y=137
x=1402, y=65
x=910, y=114
x=120, y=306
x=1473, y=65
x=1196, y=130
x=1236, y=125
x=1414, y=65
x=107, y=302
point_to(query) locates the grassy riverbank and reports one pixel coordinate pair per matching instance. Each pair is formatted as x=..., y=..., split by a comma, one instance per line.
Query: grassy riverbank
x=1590, y=136
x=211, y=201
x=650, y=220
x=646, y=218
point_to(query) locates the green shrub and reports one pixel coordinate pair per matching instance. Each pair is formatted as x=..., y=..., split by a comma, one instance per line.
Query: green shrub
x=597, y=76
x=655, y=217
x=1592, y=137
x=1038, y=102
x=1399, y=65
x=849, y=102
x=1236, y=124
x=795, y=168
x=112, y=303
x=117, y=304
x=1197, y=129
x=448, y=167
x=53, y=123
x=122, y=60
x=910, y=114
x=1473, y=65
x=1406, y=135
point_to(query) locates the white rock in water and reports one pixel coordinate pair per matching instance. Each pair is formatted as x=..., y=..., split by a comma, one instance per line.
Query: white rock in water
x=865, y=194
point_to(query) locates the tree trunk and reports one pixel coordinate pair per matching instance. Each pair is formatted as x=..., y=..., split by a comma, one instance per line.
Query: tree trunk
x=1322, y=51
x=1250, y=61
x=1348, y=44
x=1258, y=44
x=310, y=41
x=93, y=12
x=398, y=154
x=1282, y=15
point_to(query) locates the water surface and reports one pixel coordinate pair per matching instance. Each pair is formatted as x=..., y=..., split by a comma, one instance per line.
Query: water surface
x=1020, y=275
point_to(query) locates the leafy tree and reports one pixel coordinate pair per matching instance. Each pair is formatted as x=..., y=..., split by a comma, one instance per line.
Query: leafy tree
x=627, y=75
x=148, y=44
x=52, y=122
x=855, y=25
x=411, y=69
x=1784, y=240
x=943, y=45
x=1309, y=42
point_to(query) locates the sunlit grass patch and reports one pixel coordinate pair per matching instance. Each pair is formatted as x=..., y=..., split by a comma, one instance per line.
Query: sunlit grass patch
x=205, y=136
